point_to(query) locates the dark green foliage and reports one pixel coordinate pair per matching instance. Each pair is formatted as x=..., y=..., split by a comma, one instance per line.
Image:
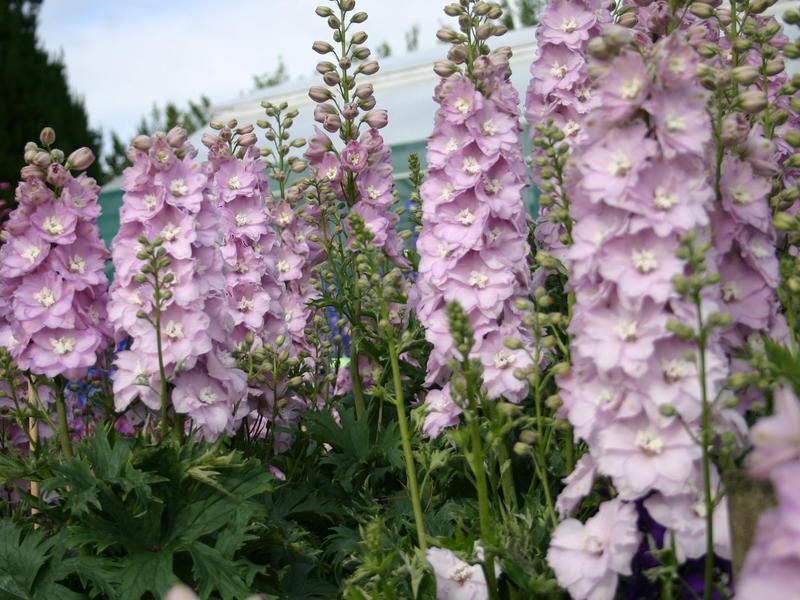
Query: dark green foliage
x=35, y=93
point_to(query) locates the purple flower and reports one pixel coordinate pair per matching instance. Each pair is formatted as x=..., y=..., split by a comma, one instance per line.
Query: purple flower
x=776, y=438
x=560, y=69
x=44, y=300
x=68, y=352
x=354, y=157
x=568, y=23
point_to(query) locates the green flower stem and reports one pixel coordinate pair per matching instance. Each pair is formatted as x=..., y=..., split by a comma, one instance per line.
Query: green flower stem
x=61, y=410
x=708, y=570
x=164, y=424
x=411, y=470
x=483, y=497
x=507, y=478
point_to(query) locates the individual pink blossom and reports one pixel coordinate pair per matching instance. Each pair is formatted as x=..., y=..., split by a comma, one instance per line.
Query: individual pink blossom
x=455, y=578
x=441, y=411
x=578, y=485
x=588, y=558
x=641, y=456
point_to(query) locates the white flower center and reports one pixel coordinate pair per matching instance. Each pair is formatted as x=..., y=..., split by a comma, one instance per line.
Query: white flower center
x=593, y=545
x=620, y=164
x=178, y=187
x=149, y=201
x=77, y=264
x=677, y=64
x=663, y=199
x=53, y=226
x=447, y=192
x=569, y=25
x=675, y=123
x=234, y=183
x=332, y=173
x=283, y=266
x=31, y=253
x=355, y=159
x=631, y=88
x=758, y=250
x=463, y=105
x=571, y=128
x=170, y=232
x=242, y=219
x=288, y=316
x=452, y=145
x=558, y=71
x=373, y=192
x=241, y=267
x=478, y=279
x=466, y=217
x=162, y=156
x=699, y=508
x=245, y=305
x=674, y=370
x=173, y=330
x=45, y=297
x=583, y=93
x=604, y=398
x=489, y=128
x=731, y=292
x=62, y=345
x=740, y=195
x=644, y=260
x=284, y=218
x=493, y=235
x=471, y=166
x=207, y=396
x=649, y=442
x=460, y=574
x=493, y=186
x=503, y=359
x=626, y=330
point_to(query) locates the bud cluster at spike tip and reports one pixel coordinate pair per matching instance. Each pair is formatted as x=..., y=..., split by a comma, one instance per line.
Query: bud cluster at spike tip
x=473, y=244
x=167, y=198
x=52, y=266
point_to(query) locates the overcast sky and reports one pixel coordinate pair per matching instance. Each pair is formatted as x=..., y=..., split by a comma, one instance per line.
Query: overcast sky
x=124, y=55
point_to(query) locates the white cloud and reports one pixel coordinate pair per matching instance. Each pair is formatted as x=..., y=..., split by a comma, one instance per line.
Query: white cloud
x=123, y=57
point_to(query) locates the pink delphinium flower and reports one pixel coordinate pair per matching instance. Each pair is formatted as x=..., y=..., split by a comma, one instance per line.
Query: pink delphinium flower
x=441, y=411
x=167, y=196
x=628, y=367
x=588, y=558
x=455, y=578
x=52, y=274
x=473, y=246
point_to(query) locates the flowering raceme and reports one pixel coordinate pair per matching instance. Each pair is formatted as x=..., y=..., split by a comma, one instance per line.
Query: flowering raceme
x=52, y=267
x=627, y=364
x=166, y=198
x=473, y=245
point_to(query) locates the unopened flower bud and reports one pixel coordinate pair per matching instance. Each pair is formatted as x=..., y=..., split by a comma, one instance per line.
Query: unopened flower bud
x=331, y=78
x=176, y=137
x=369, y=68
x=359, y=37
x=41, y=159
x=616, y=36
x=701, y=10
x=319, y=93
x=323, y=11
x=359, y=17
x=453, y=10
x=321, y=47
x=47, y=136
x=598, y=48
x=628, y=20
x=350, y=111
x=56, y=155
x=775, y=66
x=485, y=31
x=363, y=91
x=247, y=140
x=746, y=74
x=80, y=159
x=377, y=119
x=447, y=35
x=752, y=101
x=444, y=68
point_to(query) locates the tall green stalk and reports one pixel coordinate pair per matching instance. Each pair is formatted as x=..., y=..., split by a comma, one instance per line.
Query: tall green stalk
x=63, y=426
x=411, y=470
